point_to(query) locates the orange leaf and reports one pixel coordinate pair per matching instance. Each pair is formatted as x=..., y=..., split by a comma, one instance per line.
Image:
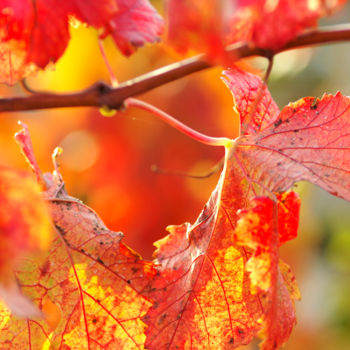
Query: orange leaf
x=262, y=228
x=88, y=285
x=24, y=219
x=203, y=295
x=25, y=229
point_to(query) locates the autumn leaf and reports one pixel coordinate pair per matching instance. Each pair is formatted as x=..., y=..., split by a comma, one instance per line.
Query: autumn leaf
x=251, y=99
x=270, y=25
x=88, y=285
x=230, y=254
x=203, y=295
x=263, y=228
x=25, y=230
x=211, y=25
x=211, y=290
x=135, y=24
x=197, y=25
x=309, y=141
x=32, y=34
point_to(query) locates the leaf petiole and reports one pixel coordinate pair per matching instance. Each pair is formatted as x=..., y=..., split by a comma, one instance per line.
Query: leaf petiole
x=167, y=118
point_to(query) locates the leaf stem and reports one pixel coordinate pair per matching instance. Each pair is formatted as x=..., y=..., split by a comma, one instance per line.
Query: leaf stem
x=167, y=118
x=112, y=76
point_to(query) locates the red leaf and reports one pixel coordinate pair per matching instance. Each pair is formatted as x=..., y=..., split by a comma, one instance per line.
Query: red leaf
x=203, y=295
x=88, y=285
x=238, y=266
x=211, y=25
x=197, y=25
x=135, y=24
x=273, y=24
x=262, y=228
x=309, y=141
x=35, y=33
x=24, y=219
x=251, y=99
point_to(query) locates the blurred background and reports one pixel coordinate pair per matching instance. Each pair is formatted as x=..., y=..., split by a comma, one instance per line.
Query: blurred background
x=107, y=161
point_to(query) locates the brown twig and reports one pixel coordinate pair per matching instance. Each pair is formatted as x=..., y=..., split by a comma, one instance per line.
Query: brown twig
x=100, y=94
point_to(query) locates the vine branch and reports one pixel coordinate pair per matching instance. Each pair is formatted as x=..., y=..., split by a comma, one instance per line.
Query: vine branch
x=101, y=94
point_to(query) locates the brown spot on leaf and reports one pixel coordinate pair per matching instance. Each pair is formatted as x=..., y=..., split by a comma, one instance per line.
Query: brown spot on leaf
x=314, y=104
x=60, y=230
x=277, y=123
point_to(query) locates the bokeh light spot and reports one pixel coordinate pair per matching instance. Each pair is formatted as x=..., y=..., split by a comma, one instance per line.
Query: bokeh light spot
x=80, y=150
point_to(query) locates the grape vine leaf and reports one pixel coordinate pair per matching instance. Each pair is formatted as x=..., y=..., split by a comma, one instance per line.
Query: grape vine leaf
x=197, y=25
x=25, y=229
x=211, y=25
x=203, y=295
x=135, y=24
x=263, y=228
x=34, y=33
x=307, y=141
x=251, y=100
x=219, y=281
x=272, y=24
x=88, y=285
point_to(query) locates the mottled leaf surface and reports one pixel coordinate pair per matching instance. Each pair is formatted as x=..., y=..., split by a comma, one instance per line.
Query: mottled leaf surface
x=230, y=254
x=251, y=99
x=263, y=228
x=206, y=292
x=309, y=141
x=88, y=286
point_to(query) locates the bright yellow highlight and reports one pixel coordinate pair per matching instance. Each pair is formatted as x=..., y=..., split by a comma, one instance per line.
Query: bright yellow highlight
x=52, y=312
x=107, y=112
